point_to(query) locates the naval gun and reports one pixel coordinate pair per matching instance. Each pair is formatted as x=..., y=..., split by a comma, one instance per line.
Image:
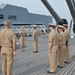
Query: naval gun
x=72, y=11
x=54, y=14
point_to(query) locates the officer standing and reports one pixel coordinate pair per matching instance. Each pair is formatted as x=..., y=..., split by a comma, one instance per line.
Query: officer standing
x=67, y=54
x=62, y=46
x=22, y=37
x=53, y=48
x=8, y=48
x=35, y=39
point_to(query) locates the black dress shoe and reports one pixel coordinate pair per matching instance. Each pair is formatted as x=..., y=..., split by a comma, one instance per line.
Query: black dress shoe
x=34, y=52
x=59, y=66
x=66, y=62
x=22, y=50
x=51, y=72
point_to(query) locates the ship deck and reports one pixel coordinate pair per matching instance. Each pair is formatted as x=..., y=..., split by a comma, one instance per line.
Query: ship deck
x=29, y=63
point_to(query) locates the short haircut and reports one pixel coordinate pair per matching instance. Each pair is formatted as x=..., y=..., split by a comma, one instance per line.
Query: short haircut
x=7, y=21
x=34, y=27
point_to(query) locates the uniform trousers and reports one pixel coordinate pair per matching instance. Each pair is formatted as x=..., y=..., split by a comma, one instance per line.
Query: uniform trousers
x=53, y=58
x=61, y=55
x=67, y=54
x=35, y=43
x=21, y=42
x=7, y=60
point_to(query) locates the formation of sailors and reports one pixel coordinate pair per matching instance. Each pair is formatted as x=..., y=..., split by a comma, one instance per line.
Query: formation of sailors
x=58, y=46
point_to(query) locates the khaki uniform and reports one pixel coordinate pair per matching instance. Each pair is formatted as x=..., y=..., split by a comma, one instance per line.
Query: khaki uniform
x=6, y=39
x=22, y=37
x=67, y=54
x=53, y=37
x=63, y=45
x=35, y=40
x=62, y=49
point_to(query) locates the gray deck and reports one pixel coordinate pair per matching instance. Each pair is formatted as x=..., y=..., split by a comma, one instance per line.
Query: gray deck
x=29, y=63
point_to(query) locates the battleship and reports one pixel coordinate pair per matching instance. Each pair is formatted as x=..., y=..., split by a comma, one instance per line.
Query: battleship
x=29, y=63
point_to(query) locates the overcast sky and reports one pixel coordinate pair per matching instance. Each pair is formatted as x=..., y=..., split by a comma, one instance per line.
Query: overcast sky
x=36, y=6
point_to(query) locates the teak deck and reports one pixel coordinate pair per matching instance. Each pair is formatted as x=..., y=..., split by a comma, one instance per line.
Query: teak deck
x=29, y=63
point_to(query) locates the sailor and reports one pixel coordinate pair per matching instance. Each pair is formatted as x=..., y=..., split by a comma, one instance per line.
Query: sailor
x=52, y=48
x=62, y=47
x=8, y=48
x=22, y=37
x=67, y=53
x=35, y=39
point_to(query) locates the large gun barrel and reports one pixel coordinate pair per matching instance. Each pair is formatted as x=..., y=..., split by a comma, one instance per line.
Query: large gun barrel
x=71, y=7
x=73, y=2
x=53, y=13
x=72, y=11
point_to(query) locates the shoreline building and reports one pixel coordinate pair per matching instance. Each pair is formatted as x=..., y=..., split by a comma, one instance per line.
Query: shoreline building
x=21, y=16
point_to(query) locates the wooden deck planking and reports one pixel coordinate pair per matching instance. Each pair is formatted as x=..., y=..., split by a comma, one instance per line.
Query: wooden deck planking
x=29, y=63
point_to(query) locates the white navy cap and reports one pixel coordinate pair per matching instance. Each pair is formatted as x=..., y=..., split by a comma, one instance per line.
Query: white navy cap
x=60, y=26
x=34, y=26
x=65, y=25
x=51, y=24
